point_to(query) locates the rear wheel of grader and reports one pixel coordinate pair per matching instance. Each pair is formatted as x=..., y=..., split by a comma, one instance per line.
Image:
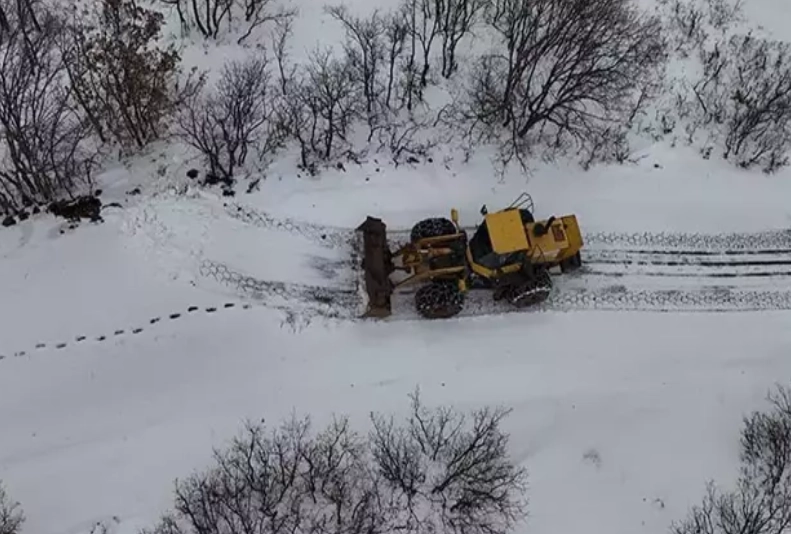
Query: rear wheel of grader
x=571, y=264
x=434, y=227
x=530, y=292
x=439, y=299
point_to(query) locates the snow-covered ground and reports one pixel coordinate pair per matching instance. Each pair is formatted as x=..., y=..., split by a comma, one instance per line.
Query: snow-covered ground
x=131, y=348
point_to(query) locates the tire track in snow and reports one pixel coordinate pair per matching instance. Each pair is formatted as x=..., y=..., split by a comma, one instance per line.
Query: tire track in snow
x=772, y=241
x=631, y=258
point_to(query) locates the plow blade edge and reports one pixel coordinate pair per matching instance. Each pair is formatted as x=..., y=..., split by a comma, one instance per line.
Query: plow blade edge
x=376, y=268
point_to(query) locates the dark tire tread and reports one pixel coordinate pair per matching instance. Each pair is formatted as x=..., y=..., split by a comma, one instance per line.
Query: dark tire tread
x=434, y=227
x=439, y=299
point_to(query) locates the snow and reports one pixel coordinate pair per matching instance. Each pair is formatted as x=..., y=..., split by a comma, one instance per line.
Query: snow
x=179, y=318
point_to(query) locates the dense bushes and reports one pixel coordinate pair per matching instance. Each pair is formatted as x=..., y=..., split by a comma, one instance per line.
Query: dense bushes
x=564, y=72
x=744, y=97
x=126, y=85
x=558, y=77
x=761, y=500
x=439, y=471
x=738, y=102
x=237, y=118
x=74, y=85
x=44, y=141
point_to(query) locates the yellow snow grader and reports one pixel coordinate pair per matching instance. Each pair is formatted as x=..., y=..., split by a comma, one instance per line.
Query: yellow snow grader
x=509, y=253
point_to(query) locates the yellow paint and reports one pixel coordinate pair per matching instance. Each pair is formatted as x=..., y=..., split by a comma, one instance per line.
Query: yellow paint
x=507, y=232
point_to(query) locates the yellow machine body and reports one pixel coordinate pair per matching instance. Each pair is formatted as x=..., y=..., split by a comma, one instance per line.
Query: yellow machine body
x=506, y=250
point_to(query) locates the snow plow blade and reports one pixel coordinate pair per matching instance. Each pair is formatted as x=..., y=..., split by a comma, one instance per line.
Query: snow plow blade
x=377, y=265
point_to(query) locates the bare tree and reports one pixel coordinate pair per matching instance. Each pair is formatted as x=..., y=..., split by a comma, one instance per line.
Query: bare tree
x=320, y=103
x=127, y=87
x=209, y=16
x=331, y=97
x=11, y=516
x=290, y=481
x=459, y=18
x=743, y=97
x=238, y=117
x=563, y=72
x=761, y=502
x=691, y=23
x=449, y=473
x=47, y=143
x=292, y=113
x=759, y=125
x=365, y=55
x=400, y=77
x=19, y=16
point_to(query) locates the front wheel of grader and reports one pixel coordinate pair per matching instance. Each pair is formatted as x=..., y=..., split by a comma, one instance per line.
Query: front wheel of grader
x=433, y=227
x=439, y=299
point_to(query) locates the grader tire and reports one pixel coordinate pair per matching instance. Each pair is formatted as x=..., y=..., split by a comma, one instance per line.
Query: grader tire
x=439, y=299
x=569, y=265
x=434, y=227
x=531, y=292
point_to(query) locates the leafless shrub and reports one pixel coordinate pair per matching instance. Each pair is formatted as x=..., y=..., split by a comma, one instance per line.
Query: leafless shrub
x=426, y=17
x=406, y=139
x=431, y=21
x=399, y=60
x=745, y=91
x=365, y=54
x=209, y=16
x=447, y=473
x=436, y=470
x=761, y=502
x=459, y=17
x=690, y=23
x=11, y=516
x=127, y=86
x=19, y=15
x=46, y=144
x=564, y=73
x=320, y=104
x=378, y=52
x=237, y=118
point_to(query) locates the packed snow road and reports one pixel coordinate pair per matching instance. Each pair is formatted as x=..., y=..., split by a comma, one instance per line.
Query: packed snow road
x=622, y=271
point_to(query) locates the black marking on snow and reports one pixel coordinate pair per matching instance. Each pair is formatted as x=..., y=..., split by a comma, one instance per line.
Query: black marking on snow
x=137, y=330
